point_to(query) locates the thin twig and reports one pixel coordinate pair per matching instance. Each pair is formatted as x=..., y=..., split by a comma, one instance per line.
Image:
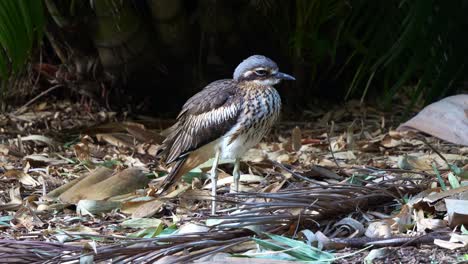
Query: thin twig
x=423, y=139
x=332, y=127
x=295, y=174
x=21, y=109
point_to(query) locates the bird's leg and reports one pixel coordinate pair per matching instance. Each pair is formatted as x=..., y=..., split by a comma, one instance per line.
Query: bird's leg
x=214, y=178
x=236, y=175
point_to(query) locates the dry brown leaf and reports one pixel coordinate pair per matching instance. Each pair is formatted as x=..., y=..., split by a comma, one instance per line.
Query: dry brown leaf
x=73, y=193
x=344, y=155
x=296, y=137
x=403, y=219
x=39, y=138
x=456, y=241
x=120, y=183
x=22, y=177
x=423, y=223
x=254, y=155
x=15, y=196
x=189, y=228
x=391, y=142
x=380, y=229
x=147, y=209
x=457, y=211
x=37, y=160
x=142, y=134
x=445, y=119
x=82, y=151
x=91, y=207
x=27, y=219
x=408, y=162
x=4, y=149
x=116, y=139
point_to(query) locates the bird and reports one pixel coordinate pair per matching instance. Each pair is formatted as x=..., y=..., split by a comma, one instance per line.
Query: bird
x=224, y=120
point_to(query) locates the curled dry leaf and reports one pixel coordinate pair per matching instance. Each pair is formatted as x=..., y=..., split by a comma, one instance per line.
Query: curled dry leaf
x=39, y=138
x=355, y=227
x=446, y=119
x=408, y=162
x=296, y=137
x=95, y=206
x=254, y=155
x=381, y=229
x=457, y=211
x=423, y=223
x=456, y=241
x=37, y=160
x=116, y=139
x=22, y=177
x=189, y=228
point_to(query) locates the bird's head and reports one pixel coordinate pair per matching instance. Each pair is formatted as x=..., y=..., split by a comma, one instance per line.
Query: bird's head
x=261, y=70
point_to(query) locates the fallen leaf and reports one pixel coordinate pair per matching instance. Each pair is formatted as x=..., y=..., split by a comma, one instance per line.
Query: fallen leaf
x=445, y=119
x=296, y=137
x=457, y=211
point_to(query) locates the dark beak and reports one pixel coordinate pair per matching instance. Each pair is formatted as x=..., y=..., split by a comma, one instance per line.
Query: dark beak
x=284, y=76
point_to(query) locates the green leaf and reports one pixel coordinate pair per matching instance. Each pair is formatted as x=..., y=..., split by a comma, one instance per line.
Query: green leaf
x=458, y=171
x=453, y=180
x=168, y=230
x=297, y=249
x=195, y=173
x=148, y=232
x=439, y=178
x=464, y=230
x=21, y=24
x=5, y=219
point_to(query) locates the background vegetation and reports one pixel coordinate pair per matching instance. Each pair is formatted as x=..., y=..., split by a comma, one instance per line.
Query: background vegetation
x=159, y=52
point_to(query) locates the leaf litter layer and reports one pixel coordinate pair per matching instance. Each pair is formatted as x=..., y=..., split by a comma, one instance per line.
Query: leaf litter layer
x=80, y=185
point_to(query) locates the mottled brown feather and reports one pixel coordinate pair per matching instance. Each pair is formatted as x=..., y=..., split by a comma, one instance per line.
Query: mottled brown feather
x=186, y=164
x=194, y=129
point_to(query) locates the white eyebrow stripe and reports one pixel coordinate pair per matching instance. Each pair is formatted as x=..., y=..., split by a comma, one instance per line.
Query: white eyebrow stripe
x=247, y=73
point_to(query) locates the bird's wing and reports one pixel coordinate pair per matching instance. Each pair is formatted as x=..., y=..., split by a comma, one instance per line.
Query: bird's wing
x=205, y=117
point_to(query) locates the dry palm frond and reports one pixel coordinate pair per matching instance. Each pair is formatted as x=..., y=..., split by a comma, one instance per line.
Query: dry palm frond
x=273, y=212
x=314, y=203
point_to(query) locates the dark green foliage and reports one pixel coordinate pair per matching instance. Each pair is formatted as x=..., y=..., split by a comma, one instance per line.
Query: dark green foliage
x=21, y=26
x=385, y=45
x=352, y=47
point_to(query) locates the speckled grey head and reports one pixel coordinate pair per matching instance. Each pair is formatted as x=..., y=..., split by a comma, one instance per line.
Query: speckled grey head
x=261, y=70
x=252, y=62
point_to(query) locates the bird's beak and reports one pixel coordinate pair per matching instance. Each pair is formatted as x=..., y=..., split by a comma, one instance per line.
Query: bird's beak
x=284, y=76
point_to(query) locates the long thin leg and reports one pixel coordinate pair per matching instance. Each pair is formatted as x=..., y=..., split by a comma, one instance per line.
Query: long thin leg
x=214, y=178
x=236, y=175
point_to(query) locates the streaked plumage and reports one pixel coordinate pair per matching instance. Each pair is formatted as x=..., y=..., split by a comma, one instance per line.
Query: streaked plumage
x=229, y=116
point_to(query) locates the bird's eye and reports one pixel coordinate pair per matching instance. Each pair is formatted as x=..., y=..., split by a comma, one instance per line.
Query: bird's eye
x=261, y=72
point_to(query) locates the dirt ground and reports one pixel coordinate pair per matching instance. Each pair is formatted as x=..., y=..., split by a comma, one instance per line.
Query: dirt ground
x=339, y=173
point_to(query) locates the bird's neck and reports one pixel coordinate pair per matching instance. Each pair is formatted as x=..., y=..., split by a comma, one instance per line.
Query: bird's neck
x=253, y=86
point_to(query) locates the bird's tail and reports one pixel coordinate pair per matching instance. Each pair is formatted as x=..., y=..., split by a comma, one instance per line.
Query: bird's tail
x=181, y=167
x=172, y=177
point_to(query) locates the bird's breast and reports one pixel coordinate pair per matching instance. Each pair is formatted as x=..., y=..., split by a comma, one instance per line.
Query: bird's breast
x=261, y=108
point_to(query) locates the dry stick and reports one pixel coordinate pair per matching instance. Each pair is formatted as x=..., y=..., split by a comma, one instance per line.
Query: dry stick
x=295, y=174
x=39, y=96
x=370, y=168
x=388, y=242
x=424, y=239
x=332, y=127
x=435, y=150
